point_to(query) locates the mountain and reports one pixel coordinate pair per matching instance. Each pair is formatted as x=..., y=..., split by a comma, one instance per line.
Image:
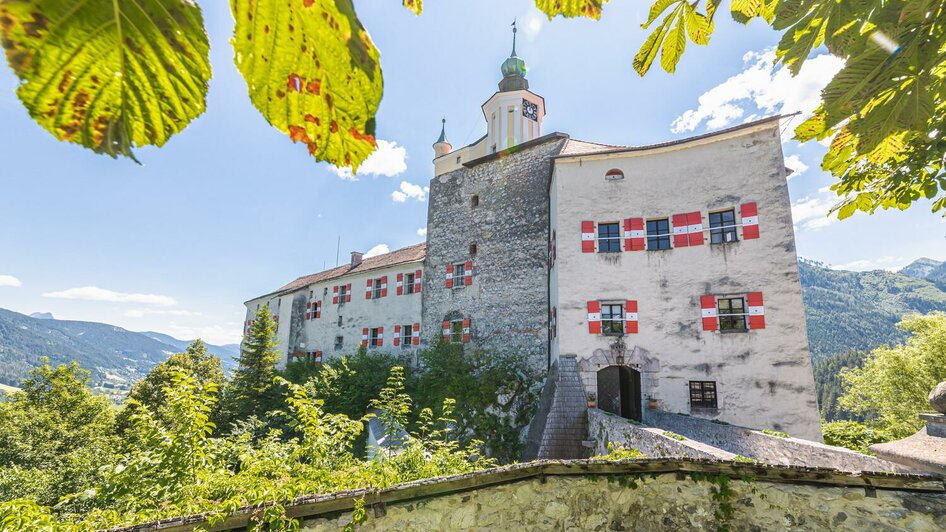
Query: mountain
x=226, y=352
x=112, y=354
x=930, y=270
x=42, y=315
x=859, y=310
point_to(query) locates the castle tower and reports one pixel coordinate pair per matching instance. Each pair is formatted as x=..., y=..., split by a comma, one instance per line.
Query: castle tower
x=442, y=146
x=514, y=114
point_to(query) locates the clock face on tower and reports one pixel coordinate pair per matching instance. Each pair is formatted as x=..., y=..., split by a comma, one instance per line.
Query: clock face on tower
x=530, y=110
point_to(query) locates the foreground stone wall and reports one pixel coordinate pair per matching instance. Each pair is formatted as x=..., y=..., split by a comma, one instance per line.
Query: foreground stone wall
x=662, y=502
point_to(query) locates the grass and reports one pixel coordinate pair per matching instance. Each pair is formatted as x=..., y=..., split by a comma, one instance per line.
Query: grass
x=777, y=433
x=673, y=435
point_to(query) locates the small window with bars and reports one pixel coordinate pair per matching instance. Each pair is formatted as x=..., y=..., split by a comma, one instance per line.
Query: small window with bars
x=339, y=342
x=609, y=238
x=732, y=313
x=723, y=227
x=612, y=319
x=456, y=332
x=409, y=283
x=658, y=234
x=459, y=274
x=342, y=294
x=703, y=394
x=406, y=333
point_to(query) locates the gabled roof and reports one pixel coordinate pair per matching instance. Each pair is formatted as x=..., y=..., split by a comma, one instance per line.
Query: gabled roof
x=577, y=148
x=415, y=253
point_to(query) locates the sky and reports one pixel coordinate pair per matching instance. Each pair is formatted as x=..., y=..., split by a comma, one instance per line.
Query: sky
x=230, y=209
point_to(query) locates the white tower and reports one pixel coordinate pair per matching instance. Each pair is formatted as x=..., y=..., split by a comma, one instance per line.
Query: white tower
x=514, y=114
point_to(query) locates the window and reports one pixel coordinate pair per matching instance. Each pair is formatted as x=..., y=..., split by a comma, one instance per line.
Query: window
x=342, y=294
x=472, y=248
x=732, y=313
x=722, y=227
x=376, y=288
x=406, y=331
x=458, y=159
x=658, y=234
x=374, y=338
x=614, y=174
x=475, y=201
x=339, y=321
x=456, y=332
x=339, y=340
x=459, y=274
x=703, y=394
x=409, y=283
x=612, y=319
x=609, y=238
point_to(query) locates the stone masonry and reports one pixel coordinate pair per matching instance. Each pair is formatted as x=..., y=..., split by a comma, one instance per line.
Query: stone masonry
x=507, y=302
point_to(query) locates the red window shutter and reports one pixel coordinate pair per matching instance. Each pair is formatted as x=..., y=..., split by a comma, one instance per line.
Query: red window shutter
x=756, y=310
x=594, y=317
x=318, y=309
x=400, y=284
x=708, y=310
x=587, y=236
x=468, y=278
x=680, y=238
x=348, y=293
x=634, y=234
x=397, y=335
x=415, y=334
x=380, y=336
x=466, y=331
x=308, y=304
x=630, y=317
x=450, y=275
x=417, y=281
x=384, y=286
x=750, y=221
x=368, y=289
x=364, y=337
x=446, y=331
x=695, y=228
x=335, y=295
x=307, y=316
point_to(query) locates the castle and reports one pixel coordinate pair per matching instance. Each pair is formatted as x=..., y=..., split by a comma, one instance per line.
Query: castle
x=664, y=275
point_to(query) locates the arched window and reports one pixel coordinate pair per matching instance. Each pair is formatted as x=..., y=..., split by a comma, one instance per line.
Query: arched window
x=613, y=175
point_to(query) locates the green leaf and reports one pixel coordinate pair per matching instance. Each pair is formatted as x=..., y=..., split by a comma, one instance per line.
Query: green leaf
x=846, y=210
x=657, y=9
x=673, y=46
x=699, y=27
x=745, y=10
x=313, y=72
x=417, y=6
x=648, y=51
x=571, y=8
x=105, y=74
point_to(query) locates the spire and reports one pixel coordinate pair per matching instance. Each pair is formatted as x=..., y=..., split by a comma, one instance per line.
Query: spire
x=442, y=146
x=513, y=69
x=514, y=30
x=443, y=131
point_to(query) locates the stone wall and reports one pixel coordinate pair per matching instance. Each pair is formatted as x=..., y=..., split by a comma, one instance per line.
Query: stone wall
x=705, y=439
x=508, y=300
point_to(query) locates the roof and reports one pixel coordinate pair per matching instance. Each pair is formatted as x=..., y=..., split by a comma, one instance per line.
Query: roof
x=415, y=253
x=577, y=148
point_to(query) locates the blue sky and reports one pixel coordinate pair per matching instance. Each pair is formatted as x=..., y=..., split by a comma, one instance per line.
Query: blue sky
x=230, y=208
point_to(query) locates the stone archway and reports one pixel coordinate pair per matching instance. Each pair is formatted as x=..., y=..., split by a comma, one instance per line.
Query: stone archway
x=619, y=391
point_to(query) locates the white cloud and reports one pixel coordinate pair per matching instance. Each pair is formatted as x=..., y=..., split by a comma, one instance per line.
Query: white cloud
x=142, y=312
x=768, y=88
x=380, y=249
x=410, y=190
x=422, y=232
x=796, y=165
x=388, y=160
x=93, y=293
x=230, y=333
x=811, y=213
x=9, y=280
x=531, y=24
x=886, y=262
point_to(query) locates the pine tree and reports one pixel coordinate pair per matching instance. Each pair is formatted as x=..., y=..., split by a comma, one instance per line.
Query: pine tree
x=251, y=391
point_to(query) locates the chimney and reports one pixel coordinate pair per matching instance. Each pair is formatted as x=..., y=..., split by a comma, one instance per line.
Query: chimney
x=356, y=257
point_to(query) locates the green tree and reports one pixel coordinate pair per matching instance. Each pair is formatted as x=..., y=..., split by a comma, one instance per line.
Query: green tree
x=892, y=386
x=883, y=111
x=149, y=391
x=251, y=392
x=53, y=434
x=852, y=434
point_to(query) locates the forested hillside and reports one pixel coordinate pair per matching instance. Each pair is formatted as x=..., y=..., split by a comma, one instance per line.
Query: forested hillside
x=859, y=310
x=109, y=352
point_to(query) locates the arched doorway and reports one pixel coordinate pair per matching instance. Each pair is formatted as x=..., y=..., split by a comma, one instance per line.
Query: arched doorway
x=619, y=391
